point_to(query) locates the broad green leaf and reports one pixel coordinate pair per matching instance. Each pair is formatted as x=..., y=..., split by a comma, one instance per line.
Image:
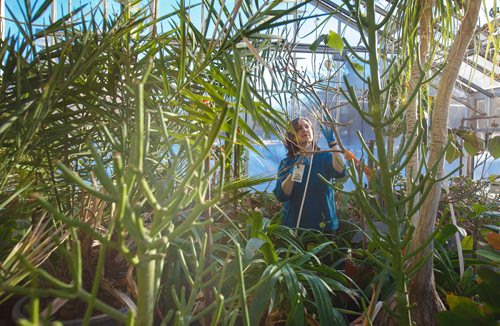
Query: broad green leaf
x=335, y=42
x=470, y=311
x=453, y=318
x=450, y=318
x=467, y=243
x=458, y=302
x=263, y=293
x=252, y=247
x=268, y=250
x=472, y=143
x=494, y=147
x=468, y=278
x=490, y=277
x=322, y=300
x=489, y=294
x=295, y=301
x=452, y=152
x=478, y=208
x=494, y=256
x=445, y=233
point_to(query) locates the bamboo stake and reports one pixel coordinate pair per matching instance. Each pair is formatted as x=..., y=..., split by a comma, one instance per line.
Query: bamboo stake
x=208, y=295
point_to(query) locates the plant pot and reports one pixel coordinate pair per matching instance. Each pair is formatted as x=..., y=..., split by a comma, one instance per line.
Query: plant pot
x=18, y=313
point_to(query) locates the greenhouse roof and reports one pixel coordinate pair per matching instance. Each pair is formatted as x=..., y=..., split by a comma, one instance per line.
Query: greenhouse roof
x=477, y=73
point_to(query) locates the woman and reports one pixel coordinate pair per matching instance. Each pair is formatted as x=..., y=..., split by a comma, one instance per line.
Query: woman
x=315, y=210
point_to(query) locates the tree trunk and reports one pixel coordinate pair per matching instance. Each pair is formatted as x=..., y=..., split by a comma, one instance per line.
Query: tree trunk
x=412, y=111
x=422, y=287
x=427, y=305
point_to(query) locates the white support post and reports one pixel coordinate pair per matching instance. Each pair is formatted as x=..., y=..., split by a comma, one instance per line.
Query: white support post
x=53, y=20
x=2, y=19
x=104, y=10
x=53, y=12
x=70, y=8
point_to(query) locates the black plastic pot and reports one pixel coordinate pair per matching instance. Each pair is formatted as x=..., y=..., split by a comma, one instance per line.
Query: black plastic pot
x=18, y=313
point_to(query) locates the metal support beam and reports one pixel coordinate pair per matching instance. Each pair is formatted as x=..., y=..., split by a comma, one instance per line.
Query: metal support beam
x=340, y=13
x=323, y=49
x=345, y=16
x=474, y=86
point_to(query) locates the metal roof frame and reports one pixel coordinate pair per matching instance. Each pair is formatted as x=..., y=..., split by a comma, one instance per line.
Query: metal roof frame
x=344, y=16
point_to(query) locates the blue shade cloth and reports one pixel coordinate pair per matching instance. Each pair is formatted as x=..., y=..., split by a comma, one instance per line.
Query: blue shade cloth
x=319, y=205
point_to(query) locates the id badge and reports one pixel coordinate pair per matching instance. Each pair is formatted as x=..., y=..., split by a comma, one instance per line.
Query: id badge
x=298, y=172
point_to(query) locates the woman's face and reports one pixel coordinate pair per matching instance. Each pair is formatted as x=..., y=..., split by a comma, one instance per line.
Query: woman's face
x=304, y=133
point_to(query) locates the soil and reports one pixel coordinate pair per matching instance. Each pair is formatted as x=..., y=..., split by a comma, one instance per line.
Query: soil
x=6, y=311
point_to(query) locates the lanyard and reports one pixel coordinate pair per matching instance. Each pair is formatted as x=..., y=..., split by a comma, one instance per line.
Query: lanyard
x=305, y=191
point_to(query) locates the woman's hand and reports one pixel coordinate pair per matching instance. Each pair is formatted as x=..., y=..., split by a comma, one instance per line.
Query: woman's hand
x=328, y=133
x=287, y=185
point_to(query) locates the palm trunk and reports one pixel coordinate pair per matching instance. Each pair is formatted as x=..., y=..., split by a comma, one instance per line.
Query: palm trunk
x=422, y=287
x=412, y=111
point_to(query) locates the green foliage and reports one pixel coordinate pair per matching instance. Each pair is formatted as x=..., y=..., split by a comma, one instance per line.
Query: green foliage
x=147, y=123
x=494, y=147
x=453, y=151
x=484, y=311
x=472, y=297
x=358, y=67
x=335, y=42
x=294, y=281
x=332, y=40
x=474, y=207
x=446, y=265
x=380, y=199
x=472, y=143
x=314, y=46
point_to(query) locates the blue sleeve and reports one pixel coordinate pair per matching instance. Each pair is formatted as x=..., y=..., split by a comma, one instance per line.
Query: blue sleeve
x=337, y=174
x=334, y=173
x=284, y=170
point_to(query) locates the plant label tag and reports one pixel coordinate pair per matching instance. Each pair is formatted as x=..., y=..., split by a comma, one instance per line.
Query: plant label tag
x=298, y=172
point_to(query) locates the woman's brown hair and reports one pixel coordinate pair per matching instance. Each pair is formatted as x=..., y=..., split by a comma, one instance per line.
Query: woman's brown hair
x=291, y=137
